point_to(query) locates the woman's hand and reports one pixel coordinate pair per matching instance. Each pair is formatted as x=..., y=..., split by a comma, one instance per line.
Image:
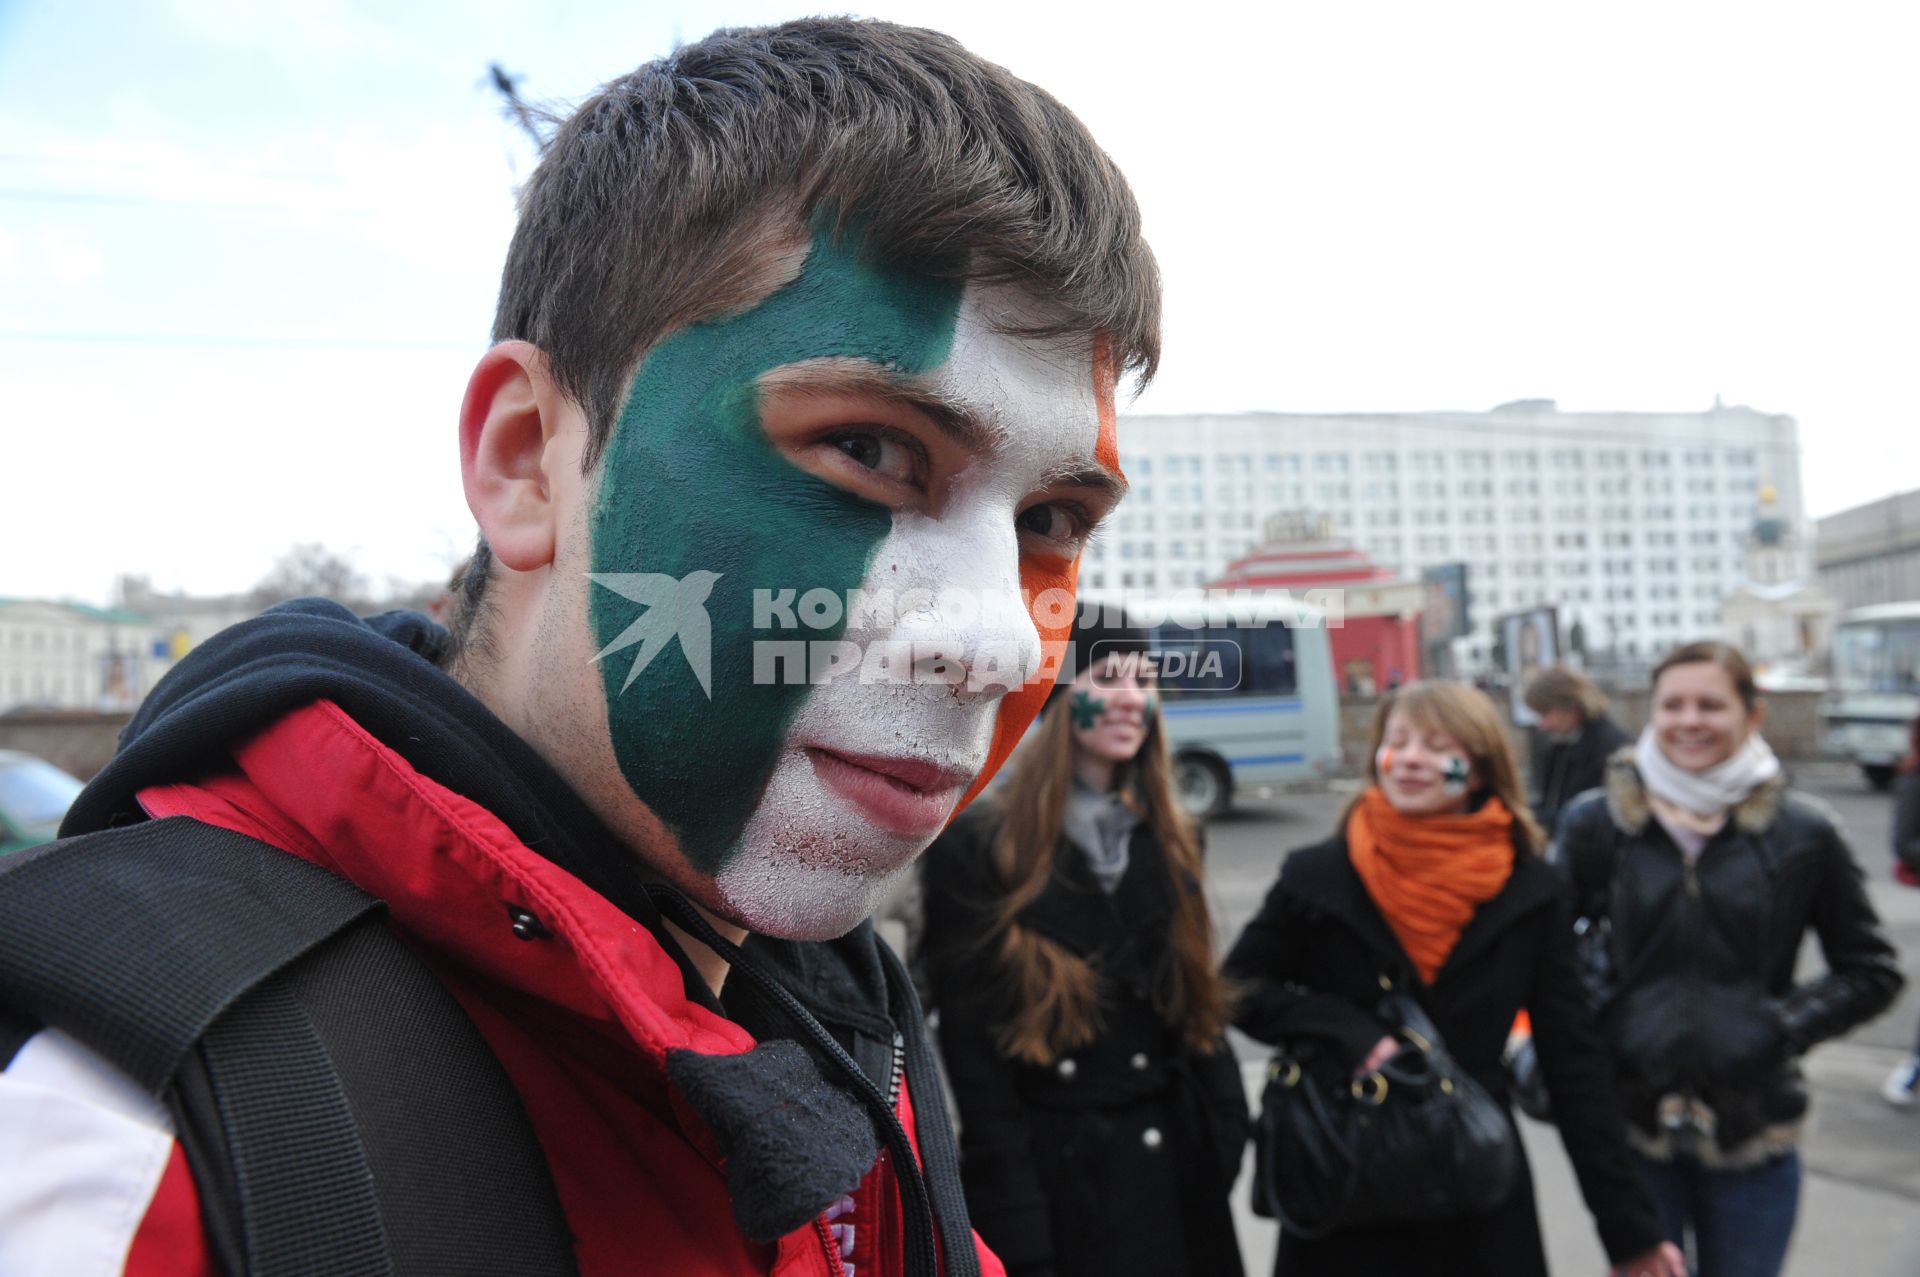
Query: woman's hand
x=1664, y=1260
x=1383, y=1051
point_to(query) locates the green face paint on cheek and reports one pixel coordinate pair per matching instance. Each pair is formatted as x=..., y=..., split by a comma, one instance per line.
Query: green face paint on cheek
x=1087, y=710
x=691, y=483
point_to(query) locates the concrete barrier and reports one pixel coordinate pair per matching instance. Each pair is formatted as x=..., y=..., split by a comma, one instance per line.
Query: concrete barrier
x=74, y=741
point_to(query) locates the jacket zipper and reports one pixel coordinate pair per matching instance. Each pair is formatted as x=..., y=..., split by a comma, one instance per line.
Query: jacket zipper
x=896, y=1076
x=831, y=1247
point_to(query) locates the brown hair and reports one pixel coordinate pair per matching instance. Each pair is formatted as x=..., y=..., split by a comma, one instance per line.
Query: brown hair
x=1463, y=712
x=672, y=195
x=1057, y=992
x=1562, y=687
x=1713, y=652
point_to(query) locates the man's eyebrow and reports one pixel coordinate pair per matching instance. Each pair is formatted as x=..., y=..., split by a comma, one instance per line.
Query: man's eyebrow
x=836, y=376
x=1095, y=476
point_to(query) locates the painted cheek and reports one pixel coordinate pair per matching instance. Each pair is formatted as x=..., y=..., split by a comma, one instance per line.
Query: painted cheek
x=1383, y=760
x=691, y=483
x=1018, y=708
x=1454, y=774
x=1045, y=580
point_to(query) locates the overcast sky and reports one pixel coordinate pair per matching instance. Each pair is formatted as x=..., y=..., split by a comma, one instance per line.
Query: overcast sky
x=247, y=258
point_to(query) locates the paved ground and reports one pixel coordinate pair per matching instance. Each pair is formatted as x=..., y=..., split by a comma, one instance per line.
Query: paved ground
x=1860, y=1213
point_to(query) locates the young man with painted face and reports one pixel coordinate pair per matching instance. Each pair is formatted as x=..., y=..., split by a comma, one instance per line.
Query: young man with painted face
x=795, y=313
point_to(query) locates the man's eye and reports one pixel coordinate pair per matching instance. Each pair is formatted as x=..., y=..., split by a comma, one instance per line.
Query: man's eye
x=883, y=454
x=1055, y=521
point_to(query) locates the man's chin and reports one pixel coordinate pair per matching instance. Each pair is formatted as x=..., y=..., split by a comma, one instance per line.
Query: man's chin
x=771, y=893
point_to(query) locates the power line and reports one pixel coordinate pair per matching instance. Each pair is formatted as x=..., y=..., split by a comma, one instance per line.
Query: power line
x=126, y=164
x=236, y=342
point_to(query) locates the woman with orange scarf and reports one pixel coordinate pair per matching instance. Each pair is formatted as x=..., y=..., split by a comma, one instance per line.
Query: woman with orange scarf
x=1433, y=887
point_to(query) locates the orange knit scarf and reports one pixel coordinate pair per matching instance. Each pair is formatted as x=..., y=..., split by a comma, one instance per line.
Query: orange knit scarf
x=1428, y=874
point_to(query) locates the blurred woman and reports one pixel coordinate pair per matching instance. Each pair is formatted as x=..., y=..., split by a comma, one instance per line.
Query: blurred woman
x=1433, y=886
x=1900, y=1084
x=1703, y=870
x=1571, y=742
x=1081, y=1018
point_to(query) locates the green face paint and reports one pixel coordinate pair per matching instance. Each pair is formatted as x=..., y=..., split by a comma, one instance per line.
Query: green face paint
x=1087, y=709
x=690, y=483
x=1152, y=708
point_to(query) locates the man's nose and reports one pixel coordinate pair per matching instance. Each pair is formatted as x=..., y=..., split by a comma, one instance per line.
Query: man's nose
x=974, y=624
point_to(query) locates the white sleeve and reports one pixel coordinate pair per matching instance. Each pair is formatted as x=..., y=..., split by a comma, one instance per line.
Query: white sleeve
x=82, y=1150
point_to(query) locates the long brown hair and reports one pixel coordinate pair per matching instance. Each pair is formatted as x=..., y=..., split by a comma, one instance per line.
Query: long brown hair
x=1057, y=992
x=1464, y=713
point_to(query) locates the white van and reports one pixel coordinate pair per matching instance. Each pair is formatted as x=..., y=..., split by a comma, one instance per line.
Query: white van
x=1247, y=690
x=1876, y=688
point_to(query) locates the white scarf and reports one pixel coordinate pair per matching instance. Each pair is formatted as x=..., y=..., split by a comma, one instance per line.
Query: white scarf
x=1708, y=795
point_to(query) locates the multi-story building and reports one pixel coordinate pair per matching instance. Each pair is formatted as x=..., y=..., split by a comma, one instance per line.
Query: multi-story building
x=1634, y=524
x=72, y=656
x=1871, y=553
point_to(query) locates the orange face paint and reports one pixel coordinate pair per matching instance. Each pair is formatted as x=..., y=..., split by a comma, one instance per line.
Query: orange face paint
x=1038, y=576
x=1106, y=381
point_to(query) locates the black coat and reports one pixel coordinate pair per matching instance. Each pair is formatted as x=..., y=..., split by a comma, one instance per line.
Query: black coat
x=1906, y=820
x=1560, y=771
x=1316, y=959
x=1702, y=956
x=1118, y=1159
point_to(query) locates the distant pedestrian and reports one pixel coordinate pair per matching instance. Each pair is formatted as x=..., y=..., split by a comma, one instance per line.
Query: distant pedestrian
x=1703, y=871
x=1900, y=1085
x=1082, y=1020
x=1570, y=743
x=1434, y=886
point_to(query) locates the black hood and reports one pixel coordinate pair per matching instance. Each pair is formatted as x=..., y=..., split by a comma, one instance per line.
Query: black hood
x=385, y=672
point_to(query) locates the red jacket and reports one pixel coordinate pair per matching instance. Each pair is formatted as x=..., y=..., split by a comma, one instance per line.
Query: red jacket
x=582, y=1021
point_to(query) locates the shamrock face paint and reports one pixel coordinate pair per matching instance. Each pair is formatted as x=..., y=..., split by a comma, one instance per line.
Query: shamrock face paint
x=1111, y=715
x=1421, y=769
x=786, y=452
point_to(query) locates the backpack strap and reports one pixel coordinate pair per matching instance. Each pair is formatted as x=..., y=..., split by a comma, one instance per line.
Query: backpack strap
x=340, y=1112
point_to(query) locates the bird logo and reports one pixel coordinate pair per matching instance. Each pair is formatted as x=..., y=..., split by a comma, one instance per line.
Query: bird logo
x=673, y=608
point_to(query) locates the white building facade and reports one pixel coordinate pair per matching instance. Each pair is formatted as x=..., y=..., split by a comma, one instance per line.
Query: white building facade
x=1633, y=524
x=73, y=657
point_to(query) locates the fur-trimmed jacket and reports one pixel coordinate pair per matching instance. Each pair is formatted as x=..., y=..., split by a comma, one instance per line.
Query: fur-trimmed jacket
x=1695, y=969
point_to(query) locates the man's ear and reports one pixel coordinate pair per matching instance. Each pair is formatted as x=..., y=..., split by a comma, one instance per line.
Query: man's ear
x=517, y=429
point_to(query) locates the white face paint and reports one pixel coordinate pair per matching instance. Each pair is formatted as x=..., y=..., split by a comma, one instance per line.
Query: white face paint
x=832, y=831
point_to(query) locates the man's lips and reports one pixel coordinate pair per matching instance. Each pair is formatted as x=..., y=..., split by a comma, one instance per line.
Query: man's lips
x=908, y=796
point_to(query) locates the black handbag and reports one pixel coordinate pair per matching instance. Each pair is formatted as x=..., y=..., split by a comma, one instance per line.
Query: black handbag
x=1415, y=1140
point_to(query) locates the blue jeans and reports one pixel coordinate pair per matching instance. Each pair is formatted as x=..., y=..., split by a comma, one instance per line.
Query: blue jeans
x=1740, y=1221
